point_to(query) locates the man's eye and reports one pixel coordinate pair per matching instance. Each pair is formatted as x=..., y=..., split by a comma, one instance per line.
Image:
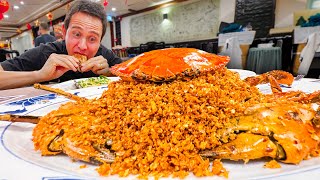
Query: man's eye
x=76, y=34
x=92, y=39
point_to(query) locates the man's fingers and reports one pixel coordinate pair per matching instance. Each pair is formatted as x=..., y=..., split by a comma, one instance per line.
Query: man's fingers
x=94, y=65
x=74, y=61
x=102, y=71
x=66, y=62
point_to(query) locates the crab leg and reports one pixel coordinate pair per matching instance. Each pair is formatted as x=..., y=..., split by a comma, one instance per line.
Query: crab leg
x=286, y=131
x=35, y=119
x=310, y=98
x=60, y=92
x=19, y=118
x=85, y=153
x=24, y=118
x=246, y=147
x=298, y=96
x=281, y=77
x=95, y=154
x=275, y=87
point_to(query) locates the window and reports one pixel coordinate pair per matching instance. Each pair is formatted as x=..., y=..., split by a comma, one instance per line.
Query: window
x=313, y=4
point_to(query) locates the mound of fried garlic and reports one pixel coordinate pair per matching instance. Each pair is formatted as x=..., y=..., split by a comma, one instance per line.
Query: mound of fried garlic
x=156, y=129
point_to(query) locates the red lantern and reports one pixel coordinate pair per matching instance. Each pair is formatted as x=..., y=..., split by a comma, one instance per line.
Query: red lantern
x=4, y=6
x=105, y=3
x=1, y=16
x=50, y=16
x=28, y=26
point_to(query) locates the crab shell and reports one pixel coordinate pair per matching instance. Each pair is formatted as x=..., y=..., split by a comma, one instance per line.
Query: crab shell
x=169, y=64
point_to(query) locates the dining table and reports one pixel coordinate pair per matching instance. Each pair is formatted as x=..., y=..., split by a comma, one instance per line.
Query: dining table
x=19, y=160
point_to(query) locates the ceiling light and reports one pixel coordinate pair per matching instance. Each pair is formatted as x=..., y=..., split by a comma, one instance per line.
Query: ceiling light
x=15, y=7
x=21, y=2
x=6, y=16
x=113, y=9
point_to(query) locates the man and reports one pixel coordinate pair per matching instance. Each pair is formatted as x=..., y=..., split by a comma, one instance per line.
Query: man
x=84, y=27
x=45, y=36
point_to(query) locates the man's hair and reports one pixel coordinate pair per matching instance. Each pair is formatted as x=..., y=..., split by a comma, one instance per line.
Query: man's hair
x=88, y=7
x=44, y=26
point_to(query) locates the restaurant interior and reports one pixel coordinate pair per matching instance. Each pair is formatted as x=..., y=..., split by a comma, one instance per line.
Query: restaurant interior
x=279, y=27
x=201, y=89
x=270, y=33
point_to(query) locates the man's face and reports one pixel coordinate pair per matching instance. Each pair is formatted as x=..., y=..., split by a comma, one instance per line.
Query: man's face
x=83, y=35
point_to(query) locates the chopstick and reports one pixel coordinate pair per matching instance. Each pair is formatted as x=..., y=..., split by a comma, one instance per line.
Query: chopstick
x=19, y=118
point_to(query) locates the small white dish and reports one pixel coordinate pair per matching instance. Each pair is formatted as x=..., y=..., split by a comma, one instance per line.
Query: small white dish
x=71, y=84
x=244, y=73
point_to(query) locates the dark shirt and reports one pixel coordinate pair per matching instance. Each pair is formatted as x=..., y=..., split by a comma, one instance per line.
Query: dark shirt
x=43, y=39
x=35, y=58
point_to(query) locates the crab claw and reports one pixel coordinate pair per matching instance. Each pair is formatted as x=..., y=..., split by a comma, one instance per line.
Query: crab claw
x=275, y=78
x=55, y=144
x=93, y=154
x=245, y=147
x=285, y=131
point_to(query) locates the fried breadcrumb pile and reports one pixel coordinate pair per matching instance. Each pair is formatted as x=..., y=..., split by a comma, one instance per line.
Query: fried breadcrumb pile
x=155, y=129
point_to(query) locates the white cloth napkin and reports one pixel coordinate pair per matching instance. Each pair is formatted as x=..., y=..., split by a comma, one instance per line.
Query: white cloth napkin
x=308, y=52
x=232, y=49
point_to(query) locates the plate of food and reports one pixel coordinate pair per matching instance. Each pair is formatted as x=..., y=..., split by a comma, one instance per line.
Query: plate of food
x=211, y=126
x=17, y=140
x=85, y=83
x=82, y=124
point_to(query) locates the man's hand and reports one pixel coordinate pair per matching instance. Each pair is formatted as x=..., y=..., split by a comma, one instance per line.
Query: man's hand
x=57, y=65
x=99, y=65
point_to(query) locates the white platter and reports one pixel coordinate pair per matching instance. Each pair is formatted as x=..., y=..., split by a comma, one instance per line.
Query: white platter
x=22, y=148
x=16, y=140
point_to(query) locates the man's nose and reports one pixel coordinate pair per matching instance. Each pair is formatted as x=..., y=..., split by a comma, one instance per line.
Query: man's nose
x=83, y=44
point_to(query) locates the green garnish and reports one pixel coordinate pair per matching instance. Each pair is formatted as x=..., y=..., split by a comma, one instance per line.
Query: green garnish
x=93, y=81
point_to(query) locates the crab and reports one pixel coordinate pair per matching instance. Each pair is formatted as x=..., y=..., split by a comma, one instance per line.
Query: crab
x=275, y=78
x=57, y=140
x=169, y=64
x=283, y=130
x=184, y=63
x=260, y=127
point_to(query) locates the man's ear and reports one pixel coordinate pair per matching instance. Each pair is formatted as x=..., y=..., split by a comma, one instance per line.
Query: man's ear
x=64, y=31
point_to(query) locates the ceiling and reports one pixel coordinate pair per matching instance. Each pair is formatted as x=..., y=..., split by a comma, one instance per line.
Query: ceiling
x=33, y=10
